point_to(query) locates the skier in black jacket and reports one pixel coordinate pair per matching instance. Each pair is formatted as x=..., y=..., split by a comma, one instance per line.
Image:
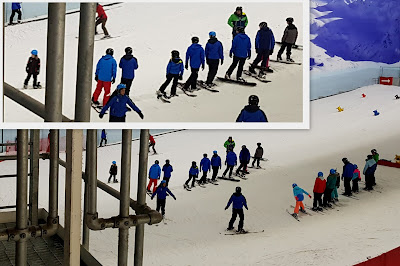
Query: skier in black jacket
x=113, y=172
x=33, y=69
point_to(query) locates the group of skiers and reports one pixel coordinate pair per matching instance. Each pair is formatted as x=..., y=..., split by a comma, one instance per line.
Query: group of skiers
x=328, y=188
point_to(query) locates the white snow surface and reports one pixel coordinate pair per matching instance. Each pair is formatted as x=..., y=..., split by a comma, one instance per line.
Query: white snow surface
x=154, y=30
x=195, y=233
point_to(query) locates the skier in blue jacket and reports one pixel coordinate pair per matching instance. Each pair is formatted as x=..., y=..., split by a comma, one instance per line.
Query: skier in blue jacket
x=193, y=174
x=103, y=137
x=214, y=53
x=161, y=193
x=16, y=8
x=167, y=169
x=298, y=195
x=106, y=72
x=205, y=166
x=347, y=176
x=244, y=158
x=238, y=201
x=265, y=43
x=194, y=55
x=118, y=106
x=174, y=72
x=154, y=175
x=252, y=112
x=215, y=164
x=231, y=161
x=241, y=49
x=128, y=64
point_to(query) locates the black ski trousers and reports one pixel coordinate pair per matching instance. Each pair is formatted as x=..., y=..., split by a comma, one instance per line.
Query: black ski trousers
x=18, y=11
x=288, y=50
x=369, y=181
x=355, y=185
x=170, y=77
x=29, y=77
x=203, y=179
x=236, y=61
x=327, y=195
x=263, y=56
x=212, y=70
x=235, y=213
x=228, y=168
x=317, y=200
x=215, y=172
x=161, y=204
x=101, y=142
x=109, y=179
x=192, y=80
x=256, y=160
x=243, y=164
x=152, y=145
x=117, y=119
x=128, y=83
x=191, y=177
x=347, y=185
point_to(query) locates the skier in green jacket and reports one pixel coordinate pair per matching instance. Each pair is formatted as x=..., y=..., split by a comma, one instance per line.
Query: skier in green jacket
x=237, y=19
x=331, y=182
x=230, y=143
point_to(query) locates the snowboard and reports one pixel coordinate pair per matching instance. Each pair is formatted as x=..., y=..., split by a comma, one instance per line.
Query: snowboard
x=242, y=176
x=162, y=98
x=230, y=179
x=187, y=188
x=285, y=62
x=203, y=85
x=291, y=214
x=262, y=159
x=31, y=87
x=251, y=84
x=188, y=93
x=203, y=186
x=248, y=73
x=296, y=46
x=243, y=233
x=106, y=38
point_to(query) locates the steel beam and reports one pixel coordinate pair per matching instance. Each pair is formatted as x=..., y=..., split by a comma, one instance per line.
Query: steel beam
x=34, y=178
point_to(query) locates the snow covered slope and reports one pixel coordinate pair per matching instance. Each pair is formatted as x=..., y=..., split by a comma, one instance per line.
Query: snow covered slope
x=344, y=236
x=153, y=30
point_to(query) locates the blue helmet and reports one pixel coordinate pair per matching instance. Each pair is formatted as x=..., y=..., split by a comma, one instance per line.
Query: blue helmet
x=212, y=34
x=121, y=86
x=355, y=166
x=34, y=52
x=294, y=185
x=320, y=174
x=114, y=162
x=162, y=182
x=332, y=171
x=215, y=152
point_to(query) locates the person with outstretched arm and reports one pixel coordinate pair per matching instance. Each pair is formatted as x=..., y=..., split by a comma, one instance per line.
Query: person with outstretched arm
x=161, y=193
x=238, y=201
x=298, y=195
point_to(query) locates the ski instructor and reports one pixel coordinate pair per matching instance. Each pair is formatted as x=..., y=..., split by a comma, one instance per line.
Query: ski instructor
x=238, y=201
x=237, y=19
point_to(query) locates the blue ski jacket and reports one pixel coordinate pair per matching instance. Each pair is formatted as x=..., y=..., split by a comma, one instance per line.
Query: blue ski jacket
x=161, y=193
x=265, y=39
x=238, y=201
x=194, y=171
x=175, y=67
x=252, y=113
x=155, y=171
x=214, y=49
x=118, y=106
x=106, y=68
x=348, y=170
x=205, y=164
x=16, y=6
x=231, y=158
x=241, y=46
x=129, y=64
x=298, y=192
x=167, y=169
x=216, y=161
x=244, y=155
x=103, y=134
x=195, y=54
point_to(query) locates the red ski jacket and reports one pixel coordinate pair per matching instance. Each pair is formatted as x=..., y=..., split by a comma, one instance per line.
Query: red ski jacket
x=320, y=185
x=152, y=141
x=100, y=12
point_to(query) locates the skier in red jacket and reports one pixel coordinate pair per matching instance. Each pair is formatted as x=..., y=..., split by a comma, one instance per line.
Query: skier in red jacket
x=101, y=19
x=152, y=143
x=319, y=189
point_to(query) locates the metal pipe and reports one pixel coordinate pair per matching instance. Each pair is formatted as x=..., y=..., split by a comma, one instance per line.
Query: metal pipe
x=85, y=229
x=34, y=178
x=14, y=157
x=28, y=102
x=92, y=178
x=55, y=62
x=14, y=234
x=126, y=158
x=8, y=144
x=22, y=195
x=141, y=193
x=53, y=176
x=85, y=61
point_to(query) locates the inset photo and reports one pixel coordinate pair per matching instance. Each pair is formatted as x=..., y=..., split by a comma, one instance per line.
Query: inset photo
x=158, y=63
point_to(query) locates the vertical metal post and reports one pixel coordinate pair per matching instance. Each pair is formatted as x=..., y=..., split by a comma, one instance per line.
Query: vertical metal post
x=92, y=178
x=22, y=195
x=34, y=179
x=55, y=62
x=73, y=187
x=86, y=230
x=85, y=62
x=53, y=175
x=141, y=194
x=126, y=158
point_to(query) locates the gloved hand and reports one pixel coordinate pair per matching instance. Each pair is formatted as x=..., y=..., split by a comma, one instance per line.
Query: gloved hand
x=246, y=208
x=96, y=78
x=186, y=67
x=174, y=198
x=113, y=81
x=230, y=54
x=27, y=69
x=180, y=77
x=309, y=196
x=141, y=115
x=101, y=115
x=152, y=198
x=248, y=58
x=271, y=52
x=226, y=207
x=222, y=62
x=257, y=50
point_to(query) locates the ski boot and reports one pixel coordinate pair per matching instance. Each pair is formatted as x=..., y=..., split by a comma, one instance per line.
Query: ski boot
x=259, y=167
x=278, y=58
x=19, y=21
x=302, y=210
x=262, y=74
x=314, y=209
x=294, y=215
x=95, y=102
x=230, y=228
x=240, y=231
x=320, y=209
x=269, y=70
x=289, y=59
x=240, y=79
x=25, y=86
x=227, y=76
x=173, y=95
x=116, y=181
x=192, y=186
x=148, y=191
x=251, y=69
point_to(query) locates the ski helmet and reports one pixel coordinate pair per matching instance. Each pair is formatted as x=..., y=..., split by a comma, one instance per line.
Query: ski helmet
x=163, y=181
x=355, y=166
x=240, y=29
x=253, y=100
x=167, y=161
x=156, y=162
x=195, y=39
x=205, y=155
x=333, y=171
x=121, y=86
x=212, y=34
x=263, y=24
x=175, y=54
x=290, y=20
x=294, y=185
x=110, y=51
x=238, y=189
x=114, y=162
x=243, y=146
x=373, y=151
x=259, y=144
x=320, y=174
x=344, y=160
x=239, y=8
x=128, y=50
x=215, y=152
x=34, y=52
x=193, y=163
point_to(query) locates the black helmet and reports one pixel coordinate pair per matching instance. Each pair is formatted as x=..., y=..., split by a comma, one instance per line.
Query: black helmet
x=167, y=161
x=205, y=154
x=238, y=190
x=156, y=162
x=263, y=24
x=259, y=144
x=369, y=157
x=239, y=8
x=253, y=100
x=175, y=54
x=243, y=146
x=110, y=51
x=240, y=29
x=345, y=160
x=128, y=50
x=290, y=20
x=373, y=151
x=193, y=163
x=195, y=39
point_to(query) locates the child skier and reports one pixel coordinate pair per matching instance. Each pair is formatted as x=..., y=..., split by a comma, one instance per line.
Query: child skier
x=258, y=155
x=369, y=171
x=167, y=169
x=193, y=174
x=118, y=106
x=356, y=178
x=288, y=40
x=101, y=19
x=154, y=175
x=106, y=72
x=113, y=172
x=174, y=72
x=16, y=8
x=152, y=144
x=238, y=201
x=33, y=69
x=161, y=193
x=205, y=166
x=332, y=184
x=265, y=43
x=230, y=162
x=128, y=64
x=214, y=53
x=240, y=51
x=196, y=55
x=244, y=157
x=319, y=189
x=103, y=138
x=298, y=195
x=252, y=112
x=215, y=164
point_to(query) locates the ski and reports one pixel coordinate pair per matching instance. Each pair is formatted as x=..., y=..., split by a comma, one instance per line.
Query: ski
x=251, y=84
x=190, y=94
x=243, y=233
x=319, y=212
x=97, y=108
x=351, y=197
x=256, y=167
x=306, y=213
x=292, y=214
x=230, y=179
x=285, y=62
x=241, y=176
x=248, y=73
x=105, y=38
x=149, y=193
x=203, y=85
